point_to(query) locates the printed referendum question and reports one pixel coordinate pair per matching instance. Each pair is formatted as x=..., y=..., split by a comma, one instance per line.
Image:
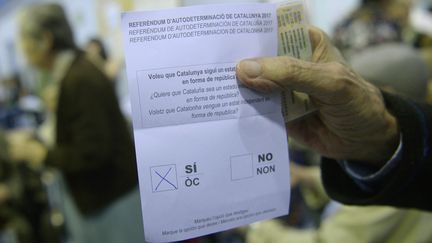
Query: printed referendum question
x=203, y=92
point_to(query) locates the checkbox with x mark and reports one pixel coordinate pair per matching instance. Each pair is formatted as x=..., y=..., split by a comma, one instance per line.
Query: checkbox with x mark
x=164, y=178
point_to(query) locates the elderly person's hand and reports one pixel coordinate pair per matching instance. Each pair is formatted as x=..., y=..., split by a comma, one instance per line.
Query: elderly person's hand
x=352, y=121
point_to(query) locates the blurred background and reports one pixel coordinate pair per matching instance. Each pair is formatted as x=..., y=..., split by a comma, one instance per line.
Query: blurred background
x=389, y=42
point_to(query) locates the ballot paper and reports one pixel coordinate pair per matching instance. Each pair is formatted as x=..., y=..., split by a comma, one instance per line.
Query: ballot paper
x=211, y=154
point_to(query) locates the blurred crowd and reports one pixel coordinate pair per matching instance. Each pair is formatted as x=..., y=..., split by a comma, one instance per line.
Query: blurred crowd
x=67, y=165
x=68, y=161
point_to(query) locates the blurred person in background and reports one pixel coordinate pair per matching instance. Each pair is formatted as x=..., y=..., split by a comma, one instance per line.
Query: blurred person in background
x=396, y=68
x=373, y=22
x=114, y=68
x=86, y=137
x=96, y=52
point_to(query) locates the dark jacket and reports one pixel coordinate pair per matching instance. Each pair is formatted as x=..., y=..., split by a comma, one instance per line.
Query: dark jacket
x=94, y=149
x=410, y=186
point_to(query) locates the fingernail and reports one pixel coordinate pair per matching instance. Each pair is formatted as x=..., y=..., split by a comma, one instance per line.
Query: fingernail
x=251, y=68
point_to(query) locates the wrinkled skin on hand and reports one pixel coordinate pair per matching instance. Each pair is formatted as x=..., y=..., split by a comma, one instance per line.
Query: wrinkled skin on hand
x=352, y=121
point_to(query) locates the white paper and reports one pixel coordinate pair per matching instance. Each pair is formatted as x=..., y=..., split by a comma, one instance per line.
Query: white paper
x=211, y=154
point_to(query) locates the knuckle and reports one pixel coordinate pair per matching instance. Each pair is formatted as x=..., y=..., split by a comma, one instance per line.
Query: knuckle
x=297, y=70
x=294, y=69
x=281, y=69
x=338, y=69
x=344, y=83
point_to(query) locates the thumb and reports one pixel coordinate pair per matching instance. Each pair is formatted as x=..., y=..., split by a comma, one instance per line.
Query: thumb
x=319, y=80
